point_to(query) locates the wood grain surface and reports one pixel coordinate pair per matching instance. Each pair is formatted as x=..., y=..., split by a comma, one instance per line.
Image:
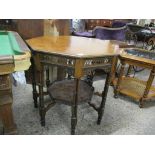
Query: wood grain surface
x=73, y=46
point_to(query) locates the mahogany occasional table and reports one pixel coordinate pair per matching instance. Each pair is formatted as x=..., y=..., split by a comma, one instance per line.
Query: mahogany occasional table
x=80, y=55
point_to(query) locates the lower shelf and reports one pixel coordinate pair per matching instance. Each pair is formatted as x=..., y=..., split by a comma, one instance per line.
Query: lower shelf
x=134, y=87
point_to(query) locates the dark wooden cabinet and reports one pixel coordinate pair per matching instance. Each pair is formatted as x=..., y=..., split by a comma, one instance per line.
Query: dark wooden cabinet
x=30, y=28
x=91, y=23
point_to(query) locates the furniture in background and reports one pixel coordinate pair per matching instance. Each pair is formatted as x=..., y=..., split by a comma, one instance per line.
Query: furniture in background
x=118, y=24
x=151, y=43
x=14, y=56
x=105, y=33
x=141, y=37
x=71, y=53
x=7, y=24
x=138, y=89
x=83, y=34
x=92, y=23
x=139, y=34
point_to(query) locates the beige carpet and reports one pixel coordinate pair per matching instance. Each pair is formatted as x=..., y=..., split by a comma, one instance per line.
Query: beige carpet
x=121, y=116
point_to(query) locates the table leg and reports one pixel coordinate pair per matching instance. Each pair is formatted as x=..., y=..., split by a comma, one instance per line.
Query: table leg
x=47, y=76
x=116, y=90
x=7, y=119
x=35, y=94
x=60, y=73
x=41, y=98
x=104, y=96
x=148, y=86
x=6, y=100
x=129, y=70
x=74, y=108
x=113, y=69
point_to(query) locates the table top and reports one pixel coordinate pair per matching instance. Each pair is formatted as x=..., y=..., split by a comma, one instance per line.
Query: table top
x=72, y=46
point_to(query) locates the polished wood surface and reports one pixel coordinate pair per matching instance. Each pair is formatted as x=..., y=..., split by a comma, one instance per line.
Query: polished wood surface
x=79, y=47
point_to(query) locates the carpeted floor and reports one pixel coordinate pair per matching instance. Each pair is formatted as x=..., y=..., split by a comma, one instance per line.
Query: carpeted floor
x=122, y=116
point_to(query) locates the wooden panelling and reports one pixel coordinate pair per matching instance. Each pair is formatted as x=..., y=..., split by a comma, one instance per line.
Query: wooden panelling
x=30, y=28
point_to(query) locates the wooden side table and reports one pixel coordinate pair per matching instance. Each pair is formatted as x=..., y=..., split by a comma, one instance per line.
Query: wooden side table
x=138, y=89
x=78, y=54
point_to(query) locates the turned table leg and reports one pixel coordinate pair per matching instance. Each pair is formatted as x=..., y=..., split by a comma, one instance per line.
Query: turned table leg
x=47, y=76
x=104, y=96
x=41, y=97
x=113, y=69
x=129, y=70
x=35, y=94
x=116, y=90
x=74, y=108
x=148, y=86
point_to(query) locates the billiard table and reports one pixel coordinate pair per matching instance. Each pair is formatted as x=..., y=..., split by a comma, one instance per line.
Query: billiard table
x=14, y=56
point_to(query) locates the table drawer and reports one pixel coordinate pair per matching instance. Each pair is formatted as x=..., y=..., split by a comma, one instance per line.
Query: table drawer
x=5, y=82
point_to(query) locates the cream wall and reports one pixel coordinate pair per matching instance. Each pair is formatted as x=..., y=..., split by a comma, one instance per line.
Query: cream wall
x=56, y=27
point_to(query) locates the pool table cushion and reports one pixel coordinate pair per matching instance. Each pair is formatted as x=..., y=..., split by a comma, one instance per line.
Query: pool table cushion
x=13, y=50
